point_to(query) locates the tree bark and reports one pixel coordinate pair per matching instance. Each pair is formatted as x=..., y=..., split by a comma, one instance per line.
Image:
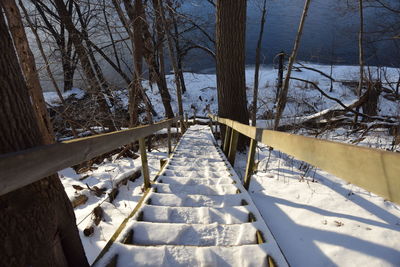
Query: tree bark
x=257, y=66
x=38, y=225
x=28, y=66
x=285, y=88
x=230, y=52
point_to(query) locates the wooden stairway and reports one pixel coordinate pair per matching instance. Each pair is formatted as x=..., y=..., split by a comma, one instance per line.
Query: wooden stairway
x=197, y=214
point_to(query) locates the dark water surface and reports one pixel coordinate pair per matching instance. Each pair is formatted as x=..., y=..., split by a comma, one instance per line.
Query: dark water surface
x=330, y=33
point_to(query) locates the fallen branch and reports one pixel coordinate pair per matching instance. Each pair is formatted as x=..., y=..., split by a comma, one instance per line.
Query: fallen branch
x=341, y=103
x=320, y=72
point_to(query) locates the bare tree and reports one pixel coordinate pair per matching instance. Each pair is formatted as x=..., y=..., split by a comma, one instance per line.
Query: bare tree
x=284, y=92
x=174, y=63
x=94, y=85
x=360, y=52
x=257, y=65
x=52, y=26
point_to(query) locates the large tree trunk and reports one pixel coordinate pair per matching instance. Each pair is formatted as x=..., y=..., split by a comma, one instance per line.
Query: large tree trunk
x=38, y=225
x=28, y=66
x=230, y=53
x=285, y=88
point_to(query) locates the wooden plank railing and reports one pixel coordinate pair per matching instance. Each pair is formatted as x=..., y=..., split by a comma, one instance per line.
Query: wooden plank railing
x=27, y=166
x=375, y=170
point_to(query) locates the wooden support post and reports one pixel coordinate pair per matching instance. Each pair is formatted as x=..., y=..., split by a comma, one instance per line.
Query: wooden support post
x=169, y=140
x=250, y=163
x=187, y=120
x=233, y=146
x=182, y=123
x=145, y=166
x=227, y=138
x=194, y=117
x=211, y=126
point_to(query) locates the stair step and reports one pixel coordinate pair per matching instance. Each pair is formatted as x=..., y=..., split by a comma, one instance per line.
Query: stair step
x=184, y=200
x=180, y=256
x=195, y=215
x=147, y=233
x=190, y=156
x=197, y=189
x=196, y=174
x=199, y=162
x=194, y=181
x=185, y=168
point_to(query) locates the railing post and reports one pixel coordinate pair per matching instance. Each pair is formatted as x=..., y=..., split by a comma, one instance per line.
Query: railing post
x=177, y=124
x=169, y=140
x=233, y=146
x=227, y=138
x=250, y=163
x=211, y=126
x=145, y=166
x=181, y=120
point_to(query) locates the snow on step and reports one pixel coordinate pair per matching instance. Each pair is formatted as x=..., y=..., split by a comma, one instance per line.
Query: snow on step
x=204, y=162
x=183, y=256
x=185, y=168
x=194, y=181
x=186, y=200
x=196, y=174
x=223, y=189
x=198, y=215
x=214, y=234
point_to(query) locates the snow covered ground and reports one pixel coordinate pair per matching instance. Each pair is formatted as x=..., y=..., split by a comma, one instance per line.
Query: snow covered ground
x=319, y=219
x=106, y=175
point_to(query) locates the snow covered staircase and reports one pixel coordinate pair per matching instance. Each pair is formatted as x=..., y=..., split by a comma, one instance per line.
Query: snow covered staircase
x=197, y=214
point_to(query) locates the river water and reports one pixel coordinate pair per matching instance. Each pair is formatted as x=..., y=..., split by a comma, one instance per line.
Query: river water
x=330, y=33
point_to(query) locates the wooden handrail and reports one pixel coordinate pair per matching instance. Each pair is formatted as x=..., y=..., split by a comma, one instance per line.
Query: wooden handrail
x=375, y=170
x=27, y=166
